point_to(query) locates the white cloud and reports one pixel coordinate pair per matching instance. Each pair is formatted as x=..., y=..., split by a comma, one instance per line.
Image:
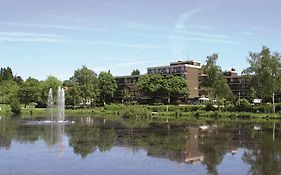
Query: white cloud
x=142, y=26
x=266, y=30
x=185, y=30
x=123, y=64
x=249, y=33
x=29, y=37
x=49, y=26
x=112, y=4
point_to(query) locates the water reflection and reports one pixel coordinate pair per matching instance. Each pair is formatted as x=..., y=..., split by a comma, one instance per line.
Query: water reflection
x=182, y=143
x=54, y=137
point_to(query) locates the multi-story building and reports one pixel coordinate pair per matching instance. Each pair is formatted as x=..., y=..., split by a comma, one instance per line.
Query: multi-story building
x=239, y=84
x=127, y=88
x=190, y=70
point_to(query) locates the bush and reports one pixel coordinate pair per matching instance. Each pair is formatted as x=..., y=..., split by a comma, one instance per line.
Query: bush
x=244, y=106
x=210, y=107
x=15, y=106
x=114, y=107
x=135, y=112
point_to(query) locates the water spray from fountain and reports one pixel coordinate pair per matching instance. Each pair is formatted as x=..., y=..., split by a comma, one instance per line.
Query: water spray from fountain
x=60, y=103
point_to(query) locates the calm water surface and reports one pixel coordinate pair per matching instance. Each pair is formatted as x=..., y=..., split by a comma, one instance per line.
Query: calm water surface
x=106, y=147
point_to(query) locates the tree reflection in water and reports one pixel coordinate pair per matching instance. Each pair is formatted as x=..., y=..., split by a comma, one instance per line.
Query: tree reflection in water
x=184, y=143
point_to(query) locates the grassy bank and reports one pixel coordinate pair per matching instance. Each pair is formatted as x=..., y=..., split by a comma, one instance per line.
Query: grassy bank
x=151, y=112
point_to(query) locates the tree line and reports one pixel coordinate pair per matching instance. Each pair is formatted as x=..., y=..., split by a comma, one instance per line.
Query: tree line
x=87, y=88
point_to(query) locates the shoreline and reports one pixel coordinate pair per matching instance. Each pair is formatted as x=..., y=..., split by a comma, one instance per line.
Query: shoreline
x=150, y=114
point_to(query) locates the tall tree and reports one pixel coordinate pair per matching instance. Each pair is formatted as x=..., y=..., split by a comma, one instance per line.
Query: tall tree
x=107, y=85
x=135, y=72
x=72, y=94
x=175, y=86
x=18, y=79
x=213, y=82
x=30, y=91
x=158, y=86
x=87, y=83
x=264, y=73
x=50, y=82
x=151, y=85
x=8, y=91
x=6, y=74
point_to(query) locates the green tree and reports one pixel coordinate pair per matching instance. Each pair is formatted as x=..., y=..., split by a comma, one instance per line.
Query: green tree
x=107, y=85
x=15, y=106
x=18, y=80
x=6, y=74
x=8, y=91
x=50, y=82
x=30, y=91
x=158, y=86
x=135, y=72
x=175, y=86
x=264, y=73
x=87, y=83
x=72, y=94
x=151, y=85
x=213, y=82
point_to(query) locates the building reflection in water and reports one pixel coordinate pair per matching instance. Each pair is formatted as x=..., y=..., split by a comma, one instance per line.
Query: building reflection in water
x=193, y=154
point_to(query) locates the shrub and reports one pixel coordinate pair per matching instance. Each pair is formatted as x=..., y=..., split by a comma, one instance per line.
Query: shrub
x=114, y=107
x=15, y=106
x=210, y=107
x=135, y=112
x=243, y=107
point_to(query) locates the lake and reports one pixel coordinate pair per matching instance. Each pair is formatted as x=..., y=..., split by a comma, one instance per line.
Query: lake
x=105, y=147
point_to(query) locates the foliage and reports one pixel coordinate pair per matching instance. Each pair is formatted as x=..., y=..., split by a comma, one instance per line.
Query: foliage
x=151, y=84
x=175, y=86
x=210, y=107
x=114, y=107
x=214, y=84
x=72, y=94
x=264, y=72
x=174, y=108
x=135, y=112
x=6, y=74
x=8, y=91
x=242, y=106
x=18, y=80
x=87, y=84
x=15, y=106
x=50, y=82
x=135, y=72
x=158, y=86
x=107, y=85
x=30, y=91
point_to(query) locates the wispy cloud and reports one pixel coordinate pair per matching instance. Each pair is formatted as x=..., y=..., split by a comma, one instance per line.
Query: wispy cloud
x=28, y=37
x=184, y=30
x=114, y=44
x=201, y=27
x=148, y=27
x=205, y=34
x=181, y=21
x=49, y=26
x=113, y=4
x=123, y=64
x=266, y=30
x=249, y=33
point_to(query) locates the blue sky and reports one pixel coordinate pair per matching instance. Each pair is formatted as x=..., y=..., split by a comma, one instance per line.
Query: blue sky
x=40, y=38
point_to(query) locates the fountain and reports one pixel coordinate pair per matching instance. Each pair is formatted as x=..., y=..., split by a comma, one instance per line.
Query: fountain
x=56, y=122
x=56, y=112
x=60, y=104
